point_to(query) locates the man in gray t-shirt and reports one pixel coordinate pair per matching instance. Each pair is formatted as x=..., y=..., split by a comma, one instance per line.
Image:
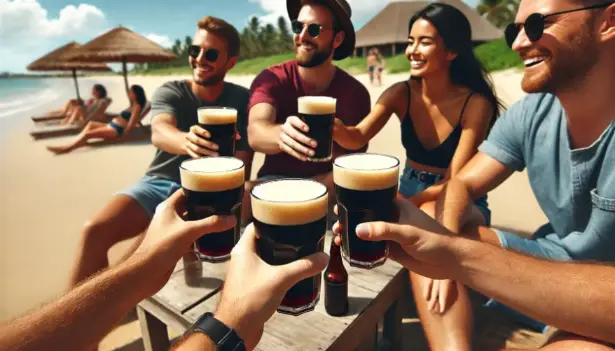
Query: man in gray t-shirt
x=563, y=133
x=177, y=137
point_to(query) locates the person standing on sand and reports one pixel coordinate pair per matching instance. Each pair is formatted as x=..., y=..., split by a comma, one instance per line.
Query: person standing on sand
x=323, y=33
x=372, y=62
x=563, y=132
x=177, y=137
x=380, y=65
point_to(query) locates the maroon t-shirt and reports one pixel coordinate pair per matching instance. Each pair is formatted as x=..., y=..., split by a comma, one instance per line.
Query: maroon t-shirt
x=280, y=86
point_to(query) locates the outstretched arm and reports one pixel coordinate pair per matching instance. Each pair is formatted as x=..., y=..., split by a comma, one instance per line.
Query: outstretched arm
x=576, y=297
x=393, y=100
x=80, y=319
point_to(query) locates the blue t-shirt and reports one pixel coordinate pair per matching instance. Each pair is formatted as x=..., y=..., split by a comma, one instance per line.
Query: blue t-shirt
x=574, y=188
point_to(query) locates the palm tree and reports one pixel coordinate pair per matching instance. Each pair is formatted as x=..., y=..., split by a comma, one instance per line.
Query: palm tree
x=498, y=12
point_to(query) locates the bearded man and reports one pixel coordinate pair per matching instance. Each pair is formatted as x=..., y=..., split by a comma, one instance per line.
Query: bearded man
x=177, y=137
x=323, y=32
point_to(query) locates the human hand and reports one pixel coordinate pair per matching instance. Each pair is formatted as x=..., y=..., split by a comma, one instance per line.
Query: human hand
x=439, y=294
x=169, y=237
x=254, y=289
x=293, y=141
x=418, y=242
x=197, y=144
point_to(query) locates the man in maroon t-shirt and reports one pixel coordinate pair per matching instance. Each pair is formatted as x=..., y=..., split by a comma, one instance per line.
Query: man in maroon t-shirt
x=323, y=32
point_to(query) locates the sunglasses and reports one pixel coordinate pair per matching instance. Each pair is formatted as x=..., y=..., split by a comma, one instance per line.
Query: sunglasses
x=313, y=29
x=535, y=24
x=211, y=55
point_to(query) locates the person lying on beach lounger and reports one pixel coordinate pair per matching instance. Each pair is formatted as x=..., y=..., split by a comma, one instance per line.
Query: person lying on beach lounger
x=82, y=317
x=76, y=110
x=120, y=125
x=574, y=297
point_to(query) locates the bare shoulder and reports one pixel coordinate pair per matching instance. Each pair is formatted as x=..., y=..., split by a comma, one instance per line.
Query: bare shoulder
x=478, y=109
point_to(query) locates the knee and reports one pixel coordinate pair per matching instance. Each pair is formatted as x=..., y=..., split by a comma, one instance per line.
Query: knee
x=95, y=235
x=429, y=208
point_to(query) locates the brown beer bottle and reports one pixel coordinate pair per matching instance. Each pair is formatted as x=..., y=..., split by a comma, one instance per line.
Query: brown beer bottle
x=336, y=284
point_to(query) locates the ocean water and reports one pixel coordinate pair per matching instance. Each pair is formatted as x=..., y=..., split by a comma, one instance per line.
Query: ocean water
x=22, y=94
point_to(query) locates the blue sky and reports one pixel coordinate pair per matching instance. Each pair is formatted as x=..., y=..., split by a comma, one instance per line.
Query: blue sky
x=31, y=28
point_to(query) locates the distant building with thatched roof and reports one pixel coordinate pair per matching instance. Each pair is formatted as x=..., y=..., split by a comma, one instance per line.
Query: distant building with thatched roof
x=388, y=30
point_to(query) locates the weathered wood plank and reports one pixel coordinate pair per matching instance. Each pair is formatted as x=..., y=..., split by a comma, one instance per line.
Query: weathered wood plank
x=191, y=285
x=154, y=332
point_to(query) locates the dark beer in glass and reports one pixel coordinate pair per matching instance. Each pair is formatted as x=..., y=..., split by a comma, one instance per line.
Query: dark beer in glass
x=318, y=113
x=221, y=123
x=365, y=186
x=290, y=216
x=214, y=186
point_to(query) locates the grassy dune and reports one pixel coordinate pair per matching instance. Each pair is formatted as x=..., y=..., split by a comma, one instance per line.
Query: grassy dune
x=494, y=55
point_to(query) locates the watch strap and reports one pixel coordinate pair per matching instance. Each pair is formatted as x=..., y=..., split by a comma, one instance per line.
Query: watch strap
x=224, y=337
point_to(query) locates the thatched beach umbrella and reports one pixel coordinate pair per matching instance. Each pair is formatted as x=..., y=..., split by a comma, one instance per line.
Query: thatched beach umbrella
x=122, y=45
x=58, y=60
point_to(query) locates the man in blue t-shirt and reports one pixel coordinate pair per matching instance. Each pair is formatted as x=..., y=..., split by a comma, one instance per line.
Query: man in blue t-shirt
x=563, y=133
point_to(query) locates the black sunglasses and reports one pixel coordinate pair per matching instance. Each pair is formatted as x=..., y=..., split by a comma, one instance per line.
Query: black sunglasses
x=535, y=24
x=313, y=29
x=211, y=55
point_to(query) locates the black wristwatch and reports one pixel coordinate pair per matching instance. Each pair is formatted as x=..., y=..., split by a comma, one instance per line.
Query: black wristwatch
x=224, y=337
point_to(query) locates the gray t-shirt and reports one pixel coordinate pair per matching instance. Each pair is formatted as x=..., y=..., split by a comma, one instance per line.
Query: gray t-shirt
x=575, y=188
x=176, y=98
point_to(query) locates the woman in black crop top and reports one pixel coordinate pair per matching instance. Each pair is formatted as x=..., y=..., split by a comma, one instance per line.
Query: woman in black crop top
x=120, y=125
x=446, y=110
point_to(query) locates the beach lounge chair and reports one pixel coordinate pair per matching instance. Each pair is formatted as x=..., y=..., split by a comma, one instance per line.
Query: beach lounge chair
x=54, y=118
x=55, y=131
x=142, y=132
x=52, y=130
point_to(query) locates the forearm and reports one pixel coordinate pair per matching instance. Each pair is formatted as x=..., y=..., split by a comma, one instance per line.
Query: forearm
x=80, y=319
x=264, y=137
x=168, y=138
x=196, y=341
x=430, y=194
x=352, y=139
x=571, y=296
x=453, y=202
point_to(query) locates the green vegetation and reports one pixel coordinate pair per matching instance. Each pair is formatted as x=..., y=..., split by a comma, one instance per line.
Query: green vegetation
x=498, y=12
x=495, y=56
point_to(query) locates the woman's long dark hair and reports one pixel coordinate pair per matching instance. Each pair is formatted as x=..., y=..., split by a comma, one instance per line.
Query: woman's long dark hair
x=100, y=89
x=455, y=30
x=139, y=94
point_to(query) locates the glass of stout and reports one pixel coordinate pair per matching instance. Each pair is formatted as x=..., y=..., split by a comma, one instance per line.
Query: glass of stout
x=221, y=123
x=318, y=112
x=365, y=187
x=214, y=186
x=290, y=216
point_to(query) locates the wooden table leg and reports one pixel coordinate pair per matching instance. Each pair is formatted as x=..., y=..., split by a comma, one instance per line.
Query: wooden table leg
x=154, y=332
x=392, y=326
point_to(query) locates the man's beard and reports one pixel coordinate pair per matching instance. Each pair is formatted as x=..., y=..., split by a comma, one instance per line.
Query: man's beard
x=569, y=68
x=316, y=58
x=212, y=80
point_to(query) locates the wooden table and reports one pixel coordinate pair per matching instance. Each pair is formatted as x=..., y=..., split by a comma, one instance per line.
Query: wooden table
x=194, y=288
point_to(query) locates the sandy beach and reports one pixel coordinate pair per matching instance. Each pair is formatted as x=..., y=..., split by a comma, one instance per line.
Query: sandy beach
x=45, y=199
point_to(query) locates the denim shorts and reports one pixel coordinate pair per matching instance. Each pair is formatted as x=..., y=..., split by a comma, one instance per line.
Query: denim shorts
x=150, y=191
x=413, y=182
x=537, y=247
x=119, y=129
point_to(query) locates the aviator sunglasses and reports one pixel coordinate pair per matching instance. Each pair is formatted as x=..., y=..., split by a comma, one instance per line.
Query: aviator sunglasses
x=313, y=29
x=535, y=24
x=211, y=55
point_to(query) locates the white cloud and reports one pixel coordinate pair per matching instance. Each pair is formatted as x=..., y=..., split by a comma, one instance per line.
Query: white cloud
x=360, y=8
x=24, y=22
x=162, y=40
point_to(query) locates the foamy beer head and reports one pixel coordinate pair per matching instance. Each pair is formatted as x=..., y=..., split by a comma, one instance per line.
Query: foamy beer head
x=217, y=115
x=366, y=172
x=210, y=174
x=316, y=105
x=287, y=202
